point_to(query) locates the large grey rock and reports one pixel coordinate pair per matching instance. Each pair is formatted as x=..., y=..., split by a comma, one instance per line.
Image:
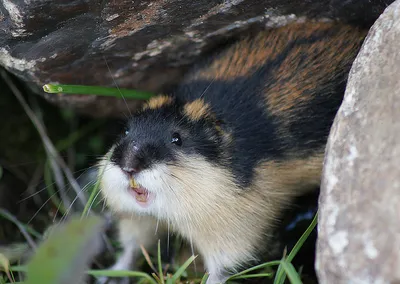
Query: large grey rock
x=359, y=221
x=147, y=43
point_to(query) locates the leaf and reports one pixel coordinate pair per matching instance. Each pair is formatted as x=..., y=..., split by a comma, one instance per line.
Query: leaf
x=204, y=279
x=169, y=279
x=280, y=276
x=147, y=258
x=97, y=90
x=64, y=256
x=182, y=269
x=14, y=252
x=5, y=266
x=156, y=277
x=160, y=271
x=4, y=263
x=291, y=272
x=247, y=276
x=18, y=268
x=263, y=265
x=121, y=273
x=96, y=188
x=303, y=238
x=6, y=215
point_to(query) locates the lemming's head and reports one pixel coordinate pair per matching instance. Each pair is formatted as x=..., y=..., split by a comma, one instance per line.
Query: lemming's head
x=169, y=159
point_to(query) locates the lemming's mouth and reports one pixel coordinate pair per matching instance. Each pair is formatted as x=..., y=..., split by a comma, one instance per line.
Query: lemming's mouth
x=142, y=195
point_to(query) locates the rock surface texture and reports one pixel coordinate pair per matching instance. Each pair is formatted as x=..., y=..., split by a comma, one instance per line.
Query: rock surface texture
x=359, y=232
x=147, y=44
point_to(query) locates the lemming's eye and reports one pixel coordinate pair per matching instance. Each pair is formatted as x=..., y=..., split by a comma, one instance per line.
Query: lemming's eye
x=126, y=132
x=176, y=139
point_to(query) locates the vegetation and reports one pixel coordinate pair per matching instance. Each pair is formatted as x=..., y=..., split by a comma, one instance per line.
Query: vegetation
x=58, y=237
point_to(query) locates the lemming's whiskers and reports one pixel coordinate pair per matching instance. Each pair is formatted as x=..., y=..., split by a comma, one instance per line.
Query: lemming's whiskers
x=206, y=89
x=91, y=204
x=53, y=183
x=115, y=83
x=41, y=207
x=73, y=202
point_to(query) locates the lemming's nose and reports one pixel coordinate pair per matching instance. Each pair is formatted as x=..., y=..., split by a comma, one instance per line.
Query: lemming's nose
x=130, y=170
x=132, y=164
x=138, y=158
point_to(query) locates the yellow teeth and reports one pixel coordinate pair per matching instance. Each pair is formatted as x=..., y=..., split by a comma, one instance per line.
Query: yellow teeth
x=141, y=198
x=133, y=183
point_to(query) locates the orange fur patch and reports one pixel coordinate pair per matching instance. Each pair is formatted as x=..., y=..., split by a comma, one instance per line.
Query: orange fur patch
x=158, y=102
x=197, y=110
x=244, y=57
x=306, y=66
x=292, y=176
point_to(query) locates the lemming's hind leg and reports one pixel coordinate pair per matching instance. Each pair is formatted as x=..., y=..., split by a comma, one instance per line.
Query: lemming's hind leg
x=133, y=232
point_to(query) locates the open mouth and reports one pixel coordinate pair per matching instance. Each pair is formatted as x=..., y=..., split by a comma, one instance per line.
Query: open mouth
x=141, y=194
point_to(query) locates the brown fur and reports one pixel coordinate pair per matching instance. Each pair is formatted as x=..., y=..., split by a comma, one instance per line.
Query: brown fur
x=158, y=102
x=197, y=110
x=243, y=216
x=229, y=224
x=294, y=176
x=329, y=55
x=249, y=54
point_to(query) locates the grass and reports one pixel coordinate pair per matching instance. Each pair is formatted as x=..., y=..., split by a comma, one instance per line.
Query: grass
x=95, y=90
x=161, y=278
x=278, y=270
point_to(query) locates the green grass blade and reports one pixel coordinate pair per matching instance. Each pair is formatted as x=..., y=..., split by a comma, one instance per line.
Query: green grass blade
x=291, y=272
x=96, y=90
x=143, y=281
x=280, y=276
x=96, y=188
x=6, y=215
x=204, y=279
x=263, y=265
x=156, y=277
x=303, y=238
x=246, y=276
x=160, y=270
x=121, y=273
x=182, y=269
x=18, y=268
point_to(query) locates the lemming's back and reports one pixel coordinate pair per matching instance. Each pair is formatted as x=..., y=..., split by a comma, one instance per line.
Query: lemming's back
x=276, y=94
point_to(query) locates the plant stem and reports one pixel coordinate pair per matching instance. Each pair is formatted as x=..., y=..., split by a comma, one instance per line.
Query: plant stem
x=96, y=90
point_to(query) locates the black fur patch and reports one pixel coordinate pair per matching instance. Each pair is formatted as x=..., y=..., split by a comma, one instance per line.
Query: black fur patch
x=257, y=134
x=240, y=104
x=236, y=104
x=150, y=133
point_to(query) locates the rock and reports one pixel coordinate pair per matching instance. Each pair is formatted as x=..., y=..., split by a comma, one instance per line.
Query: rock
x=359, y=232
x=147, y=44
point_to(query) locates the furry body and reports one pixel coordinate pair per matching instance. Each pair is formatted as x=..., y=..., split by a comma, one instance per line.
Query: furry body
x=242, y=135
